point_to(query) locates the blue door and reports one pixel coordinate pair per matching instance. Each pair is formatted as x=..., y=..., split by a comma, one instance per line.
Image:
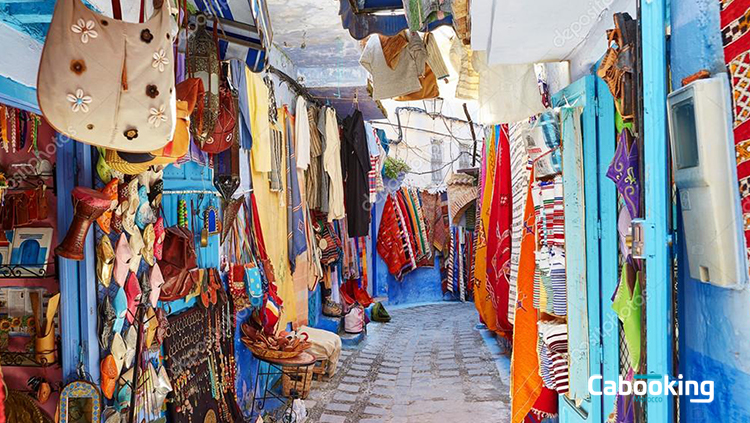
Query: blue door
x=588, y=132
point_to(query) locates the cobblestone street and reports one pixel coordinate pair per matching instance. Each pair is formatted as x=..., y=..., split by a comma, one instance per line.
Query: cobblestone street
x=429, y=364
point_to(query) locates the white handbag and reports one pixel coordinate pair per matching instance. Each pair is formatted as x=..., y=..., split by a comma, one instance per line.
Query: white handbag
x=107, y=82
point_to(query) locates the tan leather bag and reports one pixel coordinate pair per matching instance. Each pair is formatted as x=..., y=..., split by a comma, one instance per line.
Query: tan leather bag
x=107, y=82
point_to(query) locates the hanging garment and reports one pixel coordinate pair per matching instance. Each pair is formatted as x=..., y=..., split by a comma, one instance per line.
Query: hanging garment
x=295, y=215
x=302, y=134
x=435, y=57
x=526, y=384
x=389, y=244
x=387, y=82
x=332, y=165
x=239, y=80
x=420, y=13
x=520, y=169
x=468, y=79
x=323, y=185
x=417, y=52
x=546, y=406
x=553, y=354
x=87, y=89
x=356, y=166
x=461, y=23
x=277, y=149
x=498, y=234
x=392, y=47
x=257, y=94
x=507, y=93
x=483, y=297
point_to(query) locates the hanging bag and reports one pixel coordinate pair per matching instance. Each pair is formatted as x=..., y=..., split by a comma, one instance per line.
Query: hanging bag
x=179, y=264
x=226, y=130
x=107, y=82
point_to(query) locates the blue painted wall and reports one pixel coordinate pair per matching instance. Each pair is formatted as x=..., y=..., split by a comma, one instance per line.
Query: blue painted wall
x=714, y=322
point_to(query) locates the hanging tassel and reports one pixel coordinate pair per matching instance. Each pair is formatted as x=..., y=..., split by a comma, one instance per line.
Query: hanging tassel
x=4, y=127
x=13, y=127
x=23, y=119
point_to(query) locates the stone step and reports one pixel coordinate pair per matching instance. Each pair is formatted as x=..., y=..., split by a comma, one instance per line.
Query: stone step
x=352, y=339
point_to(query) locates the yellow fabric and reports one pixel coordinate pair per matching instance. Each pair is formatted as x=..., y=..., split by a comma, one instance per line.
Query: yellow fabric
x=257, y=97
x=482, y=296
x=272, y=216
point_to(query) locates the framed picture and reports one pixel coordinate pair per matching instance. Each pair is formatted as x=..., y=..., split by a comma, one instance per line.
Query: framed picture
x=30, y=251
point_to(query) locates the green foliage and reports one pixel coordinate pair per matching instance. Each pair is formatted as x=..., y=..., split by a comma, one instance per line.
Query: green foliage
x=394, y=167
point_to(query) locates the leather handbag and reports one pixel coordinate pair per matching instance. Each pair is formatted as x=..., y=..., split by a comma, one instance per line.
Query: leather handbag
x=226, y=130
x=178, y=264
x=107, y=82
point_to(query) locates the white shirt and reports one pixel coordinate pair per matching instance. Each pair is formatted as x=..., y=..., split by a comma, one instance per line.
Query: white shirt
x=302, y=134
x=332, y=166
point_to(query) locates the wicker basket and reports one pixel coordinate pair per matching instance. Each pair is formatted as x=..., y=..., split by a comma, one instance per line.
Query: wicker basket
x=278, y=355
x=297, y=381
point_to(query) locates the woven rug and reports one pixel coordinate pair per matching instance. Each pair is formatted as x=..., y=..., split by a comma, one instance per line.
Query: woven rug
x=735, y=27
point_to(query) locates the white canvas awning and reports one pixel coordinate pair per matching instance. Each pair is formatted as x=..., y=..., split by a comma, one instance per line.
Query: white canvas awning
x=515, y=32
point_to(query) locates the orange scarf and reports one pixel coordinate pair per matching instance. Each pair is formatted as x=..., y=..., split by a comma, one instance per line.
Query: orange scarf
x=525, y=382
x=482, y=296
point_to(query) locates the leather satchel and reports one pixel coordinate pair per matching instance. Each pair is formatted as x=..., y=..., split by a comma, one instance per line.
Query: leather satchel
x=178, y=264
x=226, y=130
x=107, y=82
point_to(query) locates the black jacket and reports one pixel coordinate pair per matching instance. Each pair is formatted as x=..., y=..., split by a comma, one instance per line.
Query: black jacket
x=355, y=164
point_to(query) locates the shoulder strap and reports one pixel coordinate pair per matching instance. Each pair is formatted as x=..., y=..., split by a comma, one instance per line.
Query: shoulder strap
x=117, y=10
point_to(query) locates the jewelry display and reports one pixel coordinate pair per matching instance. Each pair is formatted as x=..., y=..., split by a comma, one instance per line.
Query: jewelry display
x=199, y=358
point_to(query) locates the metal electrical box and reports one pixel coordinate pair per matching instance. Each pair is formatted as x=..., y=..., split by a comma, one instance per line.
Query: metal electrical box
x=705, y=171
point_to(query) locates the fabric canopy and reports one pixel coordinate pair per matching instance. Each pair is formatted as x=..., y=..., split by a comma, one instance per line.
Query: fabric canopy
x=513, y=33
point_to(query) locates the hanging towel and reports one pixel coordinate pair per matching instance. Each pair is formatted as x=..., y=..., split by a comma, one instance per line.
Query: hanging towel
x=507, y=93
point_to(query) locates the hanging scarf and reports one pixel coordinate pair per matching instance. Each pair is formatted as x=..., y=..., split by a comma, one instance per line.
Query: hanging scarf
x=525, y=382
x=295, y=218
x=483, y=291
x=498, y=235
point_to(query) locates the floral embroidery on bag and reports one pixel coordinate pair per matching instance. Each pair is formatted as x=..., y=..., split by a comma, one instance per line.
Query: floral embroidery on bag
x=131, y=134
x=85, y=28
x=152, y=90
x=146, y=36
x=157, y=116
x=78, y=66
x=160, y=60
x=79, y=101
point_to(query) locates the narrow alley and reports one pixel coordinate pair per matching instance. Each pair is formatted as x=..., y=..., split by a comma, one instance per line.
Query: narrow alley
x=429, y=364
